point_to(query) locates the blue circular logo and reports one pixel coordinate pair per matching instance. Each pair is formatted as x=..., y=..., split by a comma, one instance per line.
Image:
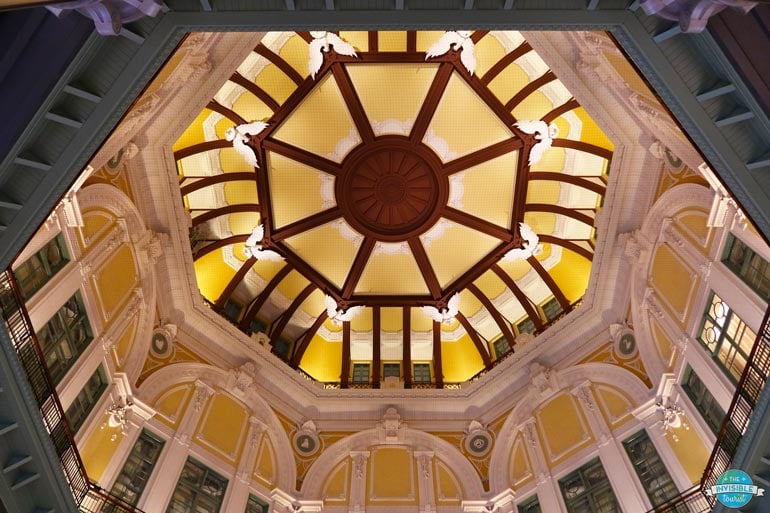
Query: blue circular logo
x=737, y=488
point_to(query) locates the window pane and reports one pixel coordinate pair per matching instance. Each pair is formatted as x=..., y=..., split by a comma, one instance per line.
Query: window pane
x=531, y=505
x=552, y=309
x=360, y=373
x=199, y=490
x=256, y=505
x=654, y=476
x=525, y=326
x=501, y=346
x=132, y=479
x=587, y=490
x=391, y=369
x=85, y=401
x=422, y=373
x=726, y=336
x=42, y=266
x=703, y=401
x=64, y=337
x=751, y=268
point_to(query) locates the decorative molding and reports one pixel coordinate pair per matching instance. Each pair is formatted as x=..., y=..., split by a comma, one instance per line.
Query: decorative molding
x=693, y=15
x=109, y=15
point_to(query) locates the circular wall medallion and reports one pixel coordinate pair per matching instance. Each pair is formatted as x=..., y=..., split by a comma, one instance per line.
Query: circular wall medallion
x=160, y=346
x=626, y=345
x=306, y=443
x=478, y=443
x=392, y=189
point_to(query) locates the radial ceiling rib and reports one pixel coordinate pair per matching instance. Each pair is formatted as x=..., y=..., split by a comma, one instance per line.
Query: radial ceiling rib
x=257, y=91
x=477, y=224
x=286, y=316
x=353, y=102
x=561, y=109
x=411, y=41
x=478, y=34
x=567, y=244
x=221, y=211
x=305, y=35
x=301, y=156
x=354, y=275
x=219, y=244
x=256, y=305
x=431, y=102
x=503, y=63
x=228, y=113
x=532, y=312
x=233, y=283
x=502, y=323
x=406, y=346
x=486, y=95
x=520, y=188
x=583, y=146
x=558, y=209
x=373, y=41
x=438, y=366
x=570, y=179
x=201, y=147
x=302, y=344
x=306, y=224
x=376, y=350
x=423, y=263
x=480, y=346
x=280, y=63
x=552, y=286
x=480, y=156
x=345, y=368
x=215, y=179
x=530, y=88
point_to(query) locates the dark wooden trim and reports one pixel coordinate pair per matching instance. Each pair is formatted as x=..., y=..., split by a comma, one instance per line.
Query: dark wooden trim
x=227, y=209
x=528, y=306
x=407, y=346
x=233, y=283
x=478, y=34
x=583, y=146
x=257, y=303
x=481, y=156
x=302, y=156
x=257, y=91
x=480, y=346
x=530, y=88
x=308, y=223
x=388, y=300
x=263, y=192
x=362, y=257
x=305, y=35
x=502, y=323
x=567, y=244
x=373, y=41
x=280, y=63
x=477, y=224
x=503, y=63
x=520, y=188
x=215, y=179
x=561, y=109
x=307, y=271
x=345, y=372
x=492, y=101
x=228, y=113
x=376, y=348
x=438, y=366
x=423, y=263
x=353, y=103
x=432, y=99
x=570, y=179
x=411, y=41
x=201, y=147
x=548, y=279
x=218, y=244
x=558, y=209
x=302, y=344
x=284, y=319
x=479, y=268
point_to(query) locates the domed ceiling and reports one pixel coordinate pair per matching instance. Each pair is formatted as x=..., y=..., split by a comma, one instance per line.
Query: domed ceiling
x=394, y=173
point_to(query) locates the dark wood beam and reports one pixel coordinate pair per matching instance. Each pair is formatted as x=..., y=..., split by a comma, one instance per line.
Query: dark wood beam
x=426, y=269
x=390, y=300
x=219, y=305
x=305, y=35
x=306, y=270
x=480, y=346
x=345, y=372
x=530, y=88
x=201, y=147
x=486, y=95
x=302, y=156
x=568, y=244
x=558, y=209
x=218, y=244
x=227, y=209
x=308, y=223
x=256, y=304
x=407, y=346
x=561, y=109
x=525, y=302
x=373, y=41
x=481, y=156
x=353, y=103
x=478, y=34
x=228, y=113
x=254, y=89
x=376, y=348
x=432, y=99
x=302, y=344
x=438, y=366
x=263, y=192
x=477, y=224
x=570, y=179
x=215, y=179
x=583, y=146
x=411, y=41
x=520, y=188
x=548, y=279
x=280, y=63
x=503, y=63
x=284, y=319
x=479, y=267
x=362, y=257
x=502, y=323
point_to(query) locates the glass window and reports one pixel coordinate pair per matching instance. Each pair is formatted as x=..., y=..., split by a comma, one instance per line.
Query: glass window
x=531, y=505
x=85, y=401
x=649, y=467
x=360, y=373
x=525, y=326
x=587, y=490
x=42, y=266
x=232, y=310
x=421, y=373
x=751, y=268
x=64, y=338
x=501, y=346
x=391, y=369
x=726, y=336
x=551, y=309
x=132, y=479
x=256, y=505
x=703, y=401
x=199, y=490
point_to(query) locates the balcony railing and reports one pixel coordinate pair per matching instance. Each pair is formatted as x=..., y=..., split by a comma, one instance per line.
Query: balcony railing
x=89, y=497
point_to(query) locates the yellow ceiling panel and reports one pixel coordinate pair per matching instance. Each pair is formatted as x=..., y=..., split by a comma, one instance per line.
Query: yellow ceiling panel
x=314, y=304
x=329, y=325
x=458, y=249
x=391, y=41
x=212, y=275
x=242, y=191
x=295, y=52
x=571, y=274
x=488, y=189
x=461, y=360
x=534, y=106
x=516, y=270
x=276, y=83
x=420, y=321
x=509, y=82
x=251, y=108
x=264, y=268
x=292, y=284
x=193, y=134
x=375, y=85
x=490, y=284
x=425, y=38
x=321, y=122
x=362, y=321
x=488, y=52
x=591, y=132
x=464, y=121
x=469, y=304
x=326, y=250
x=451, y=326
x=541, y=222
x=295, y=189
x=391, y=274
x=243, y=222
x=231, y=162
x=553, y=160
x=543, y=191
x=391, y=319
x=359, y=39
x=323, y=359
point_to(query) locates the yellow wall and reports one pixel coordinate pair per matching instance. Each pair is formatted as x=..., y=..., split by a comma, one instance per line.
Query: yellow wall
x=460, y=359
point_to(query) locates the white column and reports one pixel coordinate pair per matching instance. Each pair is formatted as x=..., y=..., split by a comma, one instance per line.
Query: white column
x=547, y=488
x=357, y=502
x=172, y=460
x=626, y=486
x=238, y=491
x=425, y=486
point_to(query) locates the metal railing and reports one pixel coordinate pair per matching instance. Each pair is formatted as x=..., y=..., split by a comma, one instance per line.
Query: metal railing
x=88, y=496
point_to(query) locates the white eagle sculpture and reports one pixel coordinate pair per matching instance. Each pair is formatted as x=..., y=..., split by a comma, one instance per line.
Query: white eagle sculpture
x=325, y=42
x=544, y=134
x=241, y=135
x=530, y=246
x=456, y=40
